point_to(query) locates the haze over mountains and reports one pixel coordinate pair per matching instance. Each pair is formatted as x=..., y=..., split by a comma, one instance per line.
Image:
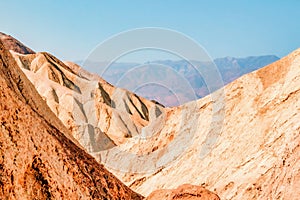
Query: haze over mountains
x=240, y=142
x=230, y=68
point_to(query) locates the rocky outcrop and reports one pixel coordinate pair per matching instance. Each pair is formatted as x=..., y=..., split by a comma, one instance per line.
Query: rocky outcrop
x=38, y=160
x=184, y=192
x=98, y=115
x=15, y=45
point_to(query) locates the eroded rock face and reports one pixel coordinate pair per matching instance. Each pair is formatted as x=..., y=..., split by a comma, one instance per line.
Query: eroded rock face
x=37, y=159
x=184, y=192
x=241, y=142
x=256, y=154
x=253, y=125
x=98, y=115
x=13, y=44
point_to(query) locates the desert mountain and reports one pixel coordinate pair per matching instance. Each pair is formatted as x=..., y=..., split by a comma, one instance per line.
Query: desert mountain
x=39, y=158
x=99, y=115
x=242, y=141
x=230, y=68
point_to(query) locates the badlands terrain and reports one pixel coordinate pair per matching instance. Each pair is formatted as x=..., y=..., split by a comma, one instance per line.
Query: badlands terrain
x=67, y=133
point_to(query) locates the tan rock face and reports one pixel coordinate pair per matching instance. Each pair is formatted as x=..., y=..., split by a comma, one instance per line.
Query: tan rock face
x=184, y=192
x=98, y=115
x=37, y=160
x=256, y=154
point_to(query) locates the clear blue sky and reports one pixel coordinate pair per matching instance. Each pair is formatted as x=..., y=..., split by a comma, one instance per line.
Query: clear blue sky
x=70, y=29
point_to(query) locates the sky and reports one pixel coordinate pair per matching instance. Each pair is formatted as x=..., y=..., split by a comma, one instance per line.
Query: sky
x=71, y=29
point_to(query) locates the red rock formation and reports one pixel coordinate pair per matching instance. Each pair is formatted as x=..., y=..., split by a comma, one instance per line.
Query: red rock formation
x=37, y=159
x=184, y=192
x=15, y=45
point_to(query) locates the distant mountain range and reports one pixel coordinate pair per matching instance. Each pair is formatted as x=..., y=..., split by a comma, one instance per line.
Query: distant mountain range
x=230, y=68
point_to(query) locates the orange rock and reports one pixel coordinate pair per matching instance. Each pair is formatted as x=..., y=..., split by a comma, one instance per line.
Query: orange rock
x=184, y=192
x=13, y=44
x=38, y=158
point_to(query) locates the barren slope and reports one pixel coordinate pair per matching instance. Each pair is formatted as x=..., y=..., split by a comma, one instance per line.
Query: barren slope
x=98, y=115
x=256, y=153
x=37, y=160
x=241, y=142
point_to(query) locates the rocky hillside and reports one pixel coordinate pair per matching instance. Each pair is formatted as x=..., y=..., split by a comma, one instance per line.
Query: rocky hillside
x=99, y=115
x=39, y=159
x=242, y=141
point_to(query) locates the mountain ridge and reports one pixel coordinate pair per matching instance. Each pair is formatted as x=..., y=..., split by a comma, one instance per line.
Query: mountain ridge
x=53, y=166
x=241, y=141
x=230, y=68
